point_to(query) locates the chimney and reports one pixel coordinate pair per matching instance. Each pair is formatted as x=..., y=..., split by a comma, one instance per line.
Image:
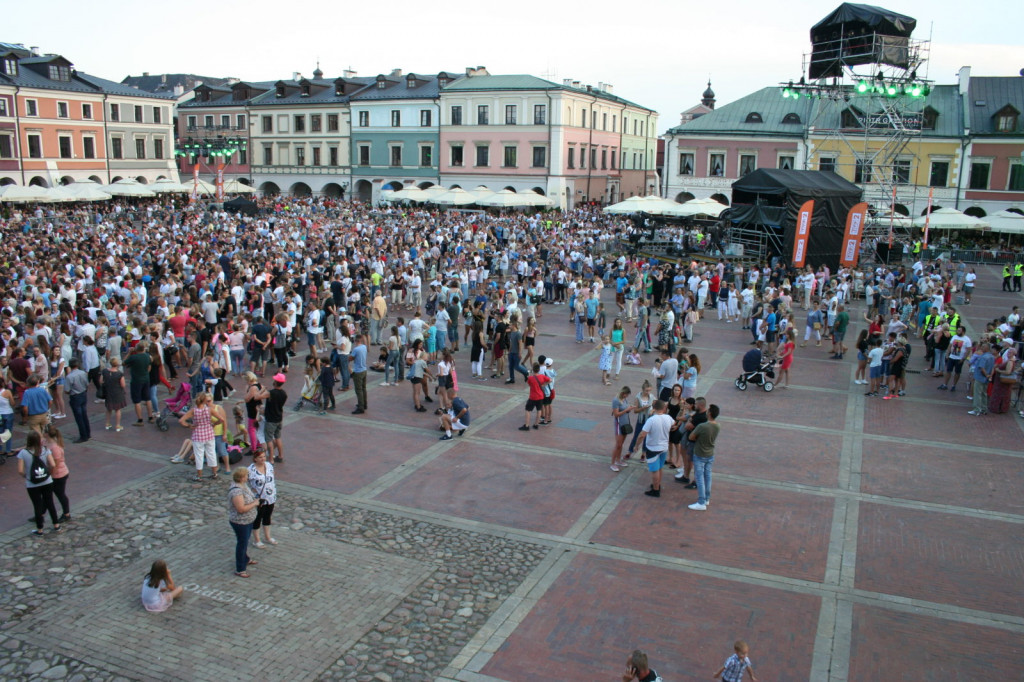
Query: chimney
x=296, y=76
x=606, y=87
x=163, y=78
x=590, y=88
x=567, y=82
x=145, y=74
x=34, y=50
x=576, y=84
x=964, y=79
x=179, y=90
x=397, y=73
x=478, y=71
x=348, y=73
x=231, y=81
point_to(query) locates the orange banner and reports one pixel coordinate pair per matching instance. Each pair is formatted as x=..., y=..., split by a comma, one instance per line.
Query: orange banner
x=852, y=237
x=803, y=233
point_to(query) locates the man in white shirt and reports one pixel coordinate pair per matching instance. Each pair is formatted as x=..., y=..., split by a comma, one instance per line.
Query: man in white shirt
x=653, y=442
x=668, y=373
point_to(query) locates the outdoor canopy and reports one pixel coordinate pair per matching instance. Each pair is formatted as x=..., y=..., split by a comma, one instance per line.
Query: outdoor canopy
x=855, y=34
x=771, y=198
x=241, y=205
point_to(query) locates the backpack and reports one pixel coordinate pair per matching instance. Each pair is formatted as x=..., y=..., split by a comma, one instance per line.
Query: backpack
x=38, y=471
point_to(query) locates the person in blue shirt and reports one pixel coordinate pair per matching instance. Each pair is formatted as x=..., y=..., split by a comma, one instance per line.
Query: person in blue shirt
x=358, y=358
x=621, y=282
x=771, y=337
x=591, y=306
x=456, y=418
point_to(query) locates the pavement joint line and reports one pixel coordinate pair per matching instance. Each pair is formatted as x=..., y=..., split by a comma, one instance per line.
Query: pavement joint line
x=603, y=506
x=842, y=641
x=821, y=660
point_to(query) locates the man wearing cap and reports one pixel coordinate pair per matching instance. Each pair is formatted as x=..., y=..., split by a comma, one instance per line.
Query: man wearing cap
x=274, y=415
x=456, y=418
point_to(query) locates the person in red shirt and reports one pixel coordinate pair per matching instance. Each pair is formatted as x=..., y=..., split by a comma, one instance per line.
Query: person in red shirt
x=536, y=400
x=714, y=286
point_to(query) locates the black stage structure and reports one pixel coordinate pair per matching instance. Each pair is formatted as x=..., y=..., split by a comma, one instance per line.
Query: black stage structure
x=765, y=205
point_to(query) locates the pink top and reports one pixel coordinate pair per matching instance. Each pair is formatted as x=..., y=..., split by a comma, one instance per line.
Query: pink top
x=60, y=468
x=202, y=427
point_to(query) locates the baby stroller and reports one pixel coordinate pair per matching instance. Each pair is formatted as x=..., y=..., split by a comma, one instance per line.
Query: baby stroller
x=757, y=371
x=310, y=393
x=178, y=404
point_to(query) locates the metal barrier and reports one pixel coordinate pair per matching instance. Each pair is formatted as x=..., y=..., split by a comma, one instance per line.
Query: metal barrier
x=979, y=256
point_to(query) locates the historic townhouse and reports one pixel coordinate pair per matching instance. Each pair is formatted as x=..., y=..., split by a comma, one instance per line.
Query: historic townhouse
x=58, y=125
x=995, y=144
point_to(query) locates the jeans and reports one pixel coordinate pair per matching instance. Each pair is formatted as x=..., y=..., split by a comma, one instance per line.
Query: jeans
x=7, y=424
x=702, y=474
x=391, y=362
x=346, y=371
x=237, y=358
x=579, y=329
x=636, y=433
x=940, y=360
x=42, y=502
x=514, y=365
x=243, y=531
x=642, y=341
x=152, y=398
x=375, y=331
x=78, y=402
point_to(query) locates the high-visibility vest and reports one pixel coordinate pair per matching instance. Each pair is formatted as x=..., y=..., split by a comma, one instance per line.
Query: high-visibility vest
x=1018, y=269
x=954, y=321
x=917, y=246
x=1006, y=271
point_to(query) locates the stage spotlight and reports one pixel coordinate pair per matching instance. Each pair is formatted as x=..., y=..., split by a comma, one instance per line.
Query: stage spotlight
x=863, y=87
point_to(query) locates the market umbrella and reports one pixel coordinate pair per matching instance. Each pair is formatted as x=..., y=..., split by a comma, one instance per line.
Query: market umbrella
x=651, y=204
x=894, y=219
x=508, y=199
x=167, y=186
x=204, y=187
x=236, y=187
x=433, y=191
x=697, y=207
x=404, y=194
x=59, y=194
x=17, y=194
x=1006, y=222
x=950, y=219
x=128, y=188
x=455, y=197
x=86, y=190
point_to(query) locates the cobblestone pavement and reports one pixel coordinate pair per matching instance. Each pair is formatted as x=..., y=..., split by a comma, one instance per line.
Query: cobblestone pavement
x=845, y=532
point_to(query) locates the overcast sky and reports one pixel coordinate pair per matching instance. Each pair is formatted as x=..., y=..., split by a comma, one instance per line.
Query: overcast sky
x=658, y=53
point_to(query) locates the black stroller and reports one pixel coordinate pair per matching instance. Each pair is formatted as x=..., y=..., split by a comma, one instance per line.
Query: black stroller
x=757, y=371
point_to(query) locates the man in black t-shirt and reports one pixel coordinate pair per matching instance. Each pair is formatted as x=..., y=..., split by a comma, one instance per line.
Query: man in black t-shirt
x=260, y=345
x=696, y=419
x=138, y=364
x=273, y=413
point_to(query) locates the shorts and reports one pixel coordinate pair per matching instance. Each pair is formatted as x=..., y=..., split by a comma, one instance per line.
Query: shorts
x=954, y=366
x=675, y=437
x=620, y=298
x=38, y=420
x=272, y=430
x=534, y=405
x=548, y=398
x=655, y=460
x=770, y=337
x=861, y=357
x=499, y=352
x=897, y=371
x=140, y=392
x=263, y=514
x=458, y=426
x=838, y=336
x=591, y=321
x=415, y=380
x=876, y=372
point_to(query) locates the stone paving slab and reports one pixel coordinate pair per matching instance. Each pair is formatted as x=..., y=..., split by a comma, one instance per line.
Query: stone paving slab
x=781, y=454
x=950, y=423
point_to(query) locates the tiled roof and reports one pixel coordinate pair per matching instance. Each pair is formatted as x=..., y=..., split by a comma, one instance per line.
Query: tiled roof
x=322, y=93
x=397, y=88
x=29, y=77
x=994, y=93
x=226, y=98
x=112, y=88
x=166, y=82
x=528, y=82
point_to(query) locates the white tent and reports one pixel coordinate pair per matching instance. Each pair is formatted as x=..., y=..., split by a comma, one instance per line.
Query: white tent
x=236, y=187
x=950, y=219
x=167, y=186
x=86, y=190
x=18, y=194
x=455, y=197
x=652, y=204
x=404, y=194
x=693, y=207
x=509, y=199
x=128, y=188
x=894, y=219
x=1006, y=222
x=59, y=195
x=431, y=192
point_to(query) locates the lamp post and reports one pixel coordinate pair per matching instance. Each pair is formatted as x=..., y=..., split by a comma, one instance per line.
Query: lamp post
x=220, y=148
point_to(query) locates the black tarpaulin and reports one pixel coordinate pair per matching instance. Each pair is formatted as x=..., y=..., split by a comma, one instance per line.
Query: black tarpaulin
x=854, y=35
x=241, y=205
x=850, y=18
x=771, y=198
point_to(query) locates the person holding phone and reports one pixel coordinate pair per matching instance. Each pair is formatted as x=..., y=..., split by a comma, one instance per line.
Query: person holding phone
x=638, y=668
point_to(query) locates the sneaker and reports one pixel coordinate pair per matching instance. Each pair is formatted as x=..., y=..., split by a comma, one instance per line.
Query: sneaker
x=524, y=427
x=952, y=389
x=536, y=427
x=384, y=383
x=690, y=486
x=942, y=387
x=652, y=492
x=445, y=437
x=615, y=468
x=697, y=506
x=259, y=545
x=888, y=397
x=177, y=460
x=974, y=413
x=900, y=393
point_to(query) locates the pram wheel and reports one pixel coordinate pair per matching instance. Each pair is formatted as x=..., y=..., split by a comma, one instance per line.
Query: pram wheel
x=741, y=384
x=161, y=423
x=768, y=386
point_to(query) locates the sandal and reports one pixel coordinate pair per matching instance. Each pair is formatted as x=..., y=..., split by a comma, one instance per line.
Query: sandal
x=196, y=479
x=242, y=574
x=252, y=562
x=272, y=541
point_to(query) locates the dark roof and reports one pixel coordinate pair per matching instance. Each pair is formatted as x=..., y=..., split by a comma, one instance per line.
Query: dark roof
x=322, y=91
x=854, y=17
x=223, y=95
x=397, y=88
x=166, y=82
x=112, y=88
x=32, y=73
x=988, y=95
x=809, y=183
x=528, y=82
x=731, y=119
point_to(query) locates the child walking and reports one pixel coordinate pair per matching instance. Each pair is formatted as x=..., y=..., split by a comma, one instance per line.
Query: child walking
x=735, y=665
x=605, y=363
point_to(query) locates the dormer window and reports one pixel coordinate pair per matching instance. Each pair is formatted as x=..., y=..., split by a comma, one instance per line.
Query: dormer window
x=791, y=118
x=929, y=117
x=381, y=84
x=10, y=66
x=851, y=118
x=442, y=82
x=754, y=117
x=410, y=82
x=1006, y=119
x=60, y=73
x=305, y=90
x=280, y=91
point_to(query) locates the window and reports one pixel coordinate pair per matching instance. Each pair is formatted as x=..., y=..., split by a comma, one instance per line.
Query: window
x=457, y=154
x=190, y=122
x=456, y=116
x=786, y=162
x=364, y=119
x=939, y=176
x=426, y=155
x=6, y=148
x=156, y=115
x=62, y=109
x=634, y=126
x=604, y=159
x=315, y=123
x=332, y=123
x=604, y=121
x=862, y=172
x=571, y=158
x=64, y=146
x=116, y=148
x=425, y=118
x=540, y=114
x=89, y=147
x=754, y=117
x=593, y=157
x=901, y=172
x=3, y=107
x=540, y=157
x=396, y=118
x=364, y=155
x=208, y=122
x=240, y=122
x=1006, y=119
x=243, y=157
x=510, y=160
x=268, y=155
x=1016, y=183
x=979, y=175
x=583, y=118
x=791, y=118
x=300, y=156
x=483, y=155
x=60, y=73
x=483, y=116
x=140, y=148
x=827, y=163
x=268, y=124
x=613, y=122
x=87, y=111
x=686, y=164
x=396, y=154
x=510, y=114
x=138, y=114
x=316, y=156
x=158, y=148
x=748, y=164
x=381, y=84
x=593, y=119
x=225, y=121
x=300, y=123
x=613, y=151
x=332, y=156
x=10, y=65
x=32, y=108
x=716, y=164
x=35, y=146
x=583, y=156
x=929, y=118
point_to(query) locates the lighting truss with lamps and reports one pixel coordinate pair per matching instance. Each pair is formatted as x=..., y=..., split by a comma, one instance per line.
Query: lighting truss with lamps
x=219, y=148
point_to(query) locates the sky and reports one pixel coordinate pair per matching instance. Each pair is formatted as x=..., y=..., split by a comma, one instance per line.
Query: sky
x=657, y=53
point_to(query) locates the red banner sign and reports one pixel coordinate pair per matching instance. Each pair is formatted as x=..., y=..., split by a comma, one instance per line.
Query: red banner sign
x=803, y=233
x=853, y=235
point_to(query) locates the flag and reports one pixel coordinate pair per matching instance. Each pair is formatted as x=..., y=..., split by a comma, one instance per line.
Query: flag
x=854, y=232
x=803, y=233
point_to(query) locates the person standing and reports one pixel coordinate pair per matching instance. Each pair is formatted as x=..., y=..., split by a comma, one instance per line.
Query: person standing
x=35, y=463
x=242, y=504
x=53, y=441
x=842, y=321
x=201, y=420
x=378, y=311
x=959, y=349
x=138, y=364
x=621, y=409
x=654, y=444
x=263, y=483
x=358, y=358
x=113, y=390
x=274, y=416
x=515, y=343
x=983, y=364
x=77, y=386
x=703, y=438
x=535, y=402
x=36, y=401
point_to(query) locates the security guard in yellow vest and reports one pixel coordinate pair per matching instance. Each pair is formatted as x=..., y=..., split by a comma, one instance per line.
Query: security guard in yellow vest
x=954, y=319
x=1018, y=271
x=917, y=248
x=1006, y=278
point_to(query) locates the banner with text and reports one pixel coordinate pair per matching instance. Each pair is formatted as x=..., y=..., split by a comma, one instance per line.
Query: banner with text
x=854, y=233
x=803, y=233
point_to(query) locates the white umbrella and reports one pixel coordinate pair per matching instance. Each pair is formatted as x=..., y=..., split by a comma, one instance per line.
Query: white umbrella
x=236, y=187
x=1006, y=222
x=697, y=207
x=17, y=194
x=652, y=204
x=404, y=194
x=509, y=199
x=128, y=188
x=950, y=219
x=894, y=219
x=59, y=195
x=167, y=186
x=204, y=187
x=432, y=191
x=455, y=197
x=86, y=190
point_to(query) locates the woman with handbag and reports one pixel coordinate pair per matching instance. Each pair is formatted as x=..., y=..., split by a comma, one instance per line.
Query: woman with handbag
x=242, y=504
x=263, y=482
x=1006, y=372
x=621, y=407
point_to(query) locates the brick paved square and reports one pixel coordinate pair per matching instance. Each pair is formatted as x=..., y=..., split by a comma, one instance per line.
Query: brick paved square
x=786, y=406
x=891, y=645
x=748, y=527
x=939, y=557
x=778, y=453
x=599, y=609
x=309, y=600
x=947, y=422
